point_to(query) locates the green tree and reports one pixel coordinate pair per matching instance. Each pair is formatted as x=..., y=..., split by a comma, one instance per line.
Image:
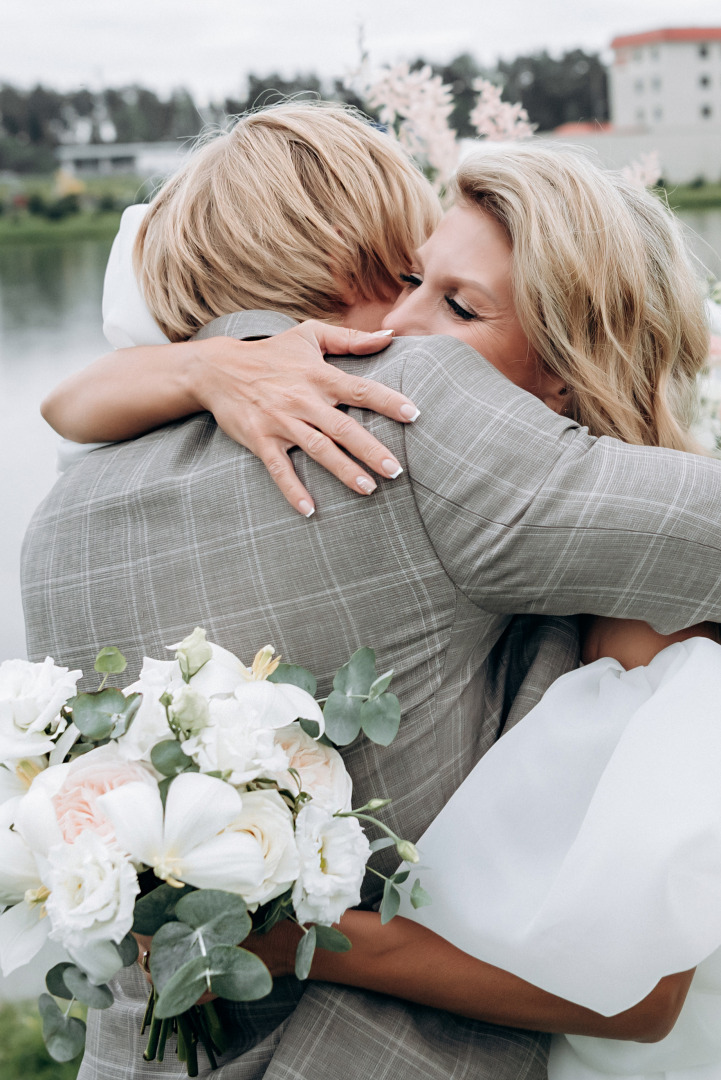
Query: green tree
x=557, y=91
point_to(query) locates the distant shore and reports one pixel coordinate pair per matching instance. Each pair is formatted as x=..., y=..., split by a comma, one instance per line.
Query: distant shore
x=31, y=229
x=693, y=196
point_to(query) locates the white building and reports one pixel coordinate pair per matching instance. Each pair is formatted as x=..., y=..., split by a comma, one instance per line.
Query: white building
x=139, y=159
x=666, y=79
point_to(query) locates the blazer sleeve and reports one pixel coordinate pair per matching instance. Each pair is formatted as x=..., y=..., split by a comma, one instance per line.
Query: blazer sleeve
x=529, y=513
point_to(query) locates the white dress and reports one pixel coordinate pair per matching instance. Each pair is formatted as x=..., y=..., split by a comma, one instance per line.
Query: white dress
x=583, y=853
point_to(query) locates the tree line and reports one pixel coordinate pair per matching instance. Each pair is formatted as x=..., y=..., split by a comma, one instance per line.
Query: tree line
x=553, y=90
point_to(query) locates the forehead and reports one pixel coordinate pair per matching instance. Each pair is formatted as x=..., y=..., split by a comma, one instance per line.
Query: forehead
x=468, y=243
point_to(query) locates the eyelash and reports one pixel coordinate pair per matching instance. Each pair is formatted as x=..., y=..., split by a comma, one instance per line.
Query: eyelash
x=460, y=312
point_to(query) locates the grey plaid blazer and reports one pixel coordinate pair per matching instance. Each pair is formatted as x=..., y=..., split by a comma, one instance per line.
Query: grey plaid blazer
x=504, y=509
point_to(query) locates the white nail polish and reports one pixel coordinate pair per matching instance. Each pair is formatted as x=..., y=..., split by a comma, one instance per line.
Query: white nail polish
x=382, y=333
x=365, y=485
x=388, y=465
x=305, y=508
x=406, y=413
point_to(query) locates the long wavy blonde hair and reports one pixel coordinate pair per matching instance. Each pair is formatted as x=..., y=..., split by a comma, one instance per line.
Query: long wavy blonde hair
x=604, y=289
x=294, y=208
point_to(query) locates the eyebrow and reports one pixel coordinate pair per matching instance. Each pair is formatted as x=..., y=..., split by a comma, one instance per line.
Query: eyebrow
x=467, y=282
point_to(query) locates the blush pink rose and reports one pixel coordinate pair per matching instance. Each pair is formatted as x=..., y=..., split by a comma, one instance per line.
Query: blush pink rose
x=321, y=768
x=87, y=778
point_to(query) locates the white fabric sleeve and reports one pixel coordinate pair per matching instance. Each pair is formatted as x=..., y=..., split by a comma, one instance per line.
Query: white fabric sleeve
x=126, y=317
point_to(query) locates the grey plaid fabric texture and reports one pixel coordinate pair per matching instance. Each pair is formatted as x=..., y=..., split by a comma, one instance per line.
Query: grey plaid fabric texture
x=504, y=509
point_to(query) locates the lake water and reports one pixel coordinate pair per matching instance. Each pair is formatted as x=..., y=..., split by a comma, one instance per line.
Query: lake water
x=50, y=326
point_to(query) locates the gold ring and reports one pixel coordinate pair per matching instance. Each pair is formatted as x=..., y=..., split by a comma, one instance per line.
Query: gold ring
x=144, y=960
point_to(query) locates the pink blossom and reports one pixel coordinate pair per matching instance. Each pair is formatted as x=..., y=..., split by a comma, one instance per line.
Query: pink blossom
x=87, y=778
x=498, y=120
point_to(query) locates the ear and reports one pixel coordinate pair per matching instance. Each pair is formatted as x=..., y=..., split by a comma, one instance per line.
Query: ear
x=554, y=393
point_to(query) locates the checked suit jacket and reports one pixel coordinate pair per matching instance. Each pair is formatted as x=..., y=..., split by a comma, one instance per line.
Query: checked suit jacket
x=503, y=509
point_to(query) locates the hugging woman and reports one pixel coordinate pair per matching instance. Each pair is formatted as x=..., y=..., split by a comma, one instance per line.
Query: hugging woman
x=576, y=290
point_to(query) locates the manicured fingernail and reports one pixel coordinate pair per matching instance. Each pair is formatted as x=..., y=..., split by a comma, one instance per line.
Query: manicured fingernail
x=392, y=469
x=409, y=413
x=383, y=333
x=306, y=509
x=366, y=486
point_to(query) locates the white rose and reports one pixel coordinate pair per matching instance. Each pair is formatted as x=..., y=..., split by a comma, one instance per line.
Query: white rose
x=92, y=886
x=192, y=652
x=266, y=817
x=235, y=745
x=31, y=697
x=333, y=855
x=321, y=768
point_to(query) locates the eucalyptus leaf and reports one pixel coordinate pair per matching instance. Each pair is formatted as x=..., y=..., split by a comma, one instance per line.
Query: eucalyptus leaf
x=342, y=718
x=297, y=676
x=304, y=953
x=169, y=758
x=124, y=720
x=327, y=937
x=64, y=1036
x=163, y=788
x=419, y=896
x=157, y=908
x=273, y=912
x=173, y=946
x=240, y=975
x=217, y=914
x=380, y=719
x=95, y=997
x=55, y=982
x=128, y=949
x=381, y=843
x=95, y=715
x=310, y=727
x=183, y=988
x=400, y=877
x=110, y=661
x=380, y=685
x=358, y=675
x=390, y=903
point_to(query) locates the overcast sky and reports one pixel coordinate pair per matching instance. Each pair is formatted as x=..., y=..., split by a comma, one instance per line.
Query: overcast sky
x=210, y=45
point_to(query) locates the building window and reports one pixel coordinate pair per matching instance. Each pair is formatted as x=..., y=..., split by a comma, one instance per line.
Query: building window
x=706, y=111
x=658, y=115
x=638, y=54
x=654, y=54
x=638, y=86
x=704, y=80
x=656, y=83
x=703, y=51
x=640, y=115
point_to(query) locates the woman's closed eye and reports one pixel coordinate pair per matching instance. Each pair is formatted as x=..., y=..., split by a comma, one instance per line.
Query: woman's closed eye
x=459, y=310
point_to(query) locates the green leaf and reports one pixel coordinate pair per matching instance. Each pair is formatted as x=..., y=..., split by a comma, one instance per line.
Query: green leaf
x=390, y=903
x=244, y=976
x=95, y=997
x=304, y=954
x=380, y=685
x=358, y=675
x=157, y=908
x=380, y=719
x=400, y=877
x=381, y=843
x=183, y=988
x=169, y=758
x=96, y=715
x=327, y=937
x=219, y=915
x=124, y=721
x=297, y=676
x=174, y=945
x=419, y=896
x=55, y=982
x=342, y=718
x=310, y=727
x=128, y=949
x=64, y=1036
x=110, y=661
x=273, y=912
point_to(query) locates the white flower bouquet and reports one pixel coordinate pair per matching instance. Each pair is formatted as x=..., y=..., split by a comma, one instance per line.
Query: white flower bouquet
x=201, y=802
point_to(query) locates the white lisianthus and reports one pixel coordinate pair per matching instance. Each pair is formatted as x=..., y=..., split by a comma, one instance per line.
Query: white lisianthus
x=150, y=724
x=192, y=840
x=189, y=710
x=192, y=652
x=267, y=819
x=92, y=886
x=235, y=744
x=31, y=697
x=322, y=771
x=333, y=855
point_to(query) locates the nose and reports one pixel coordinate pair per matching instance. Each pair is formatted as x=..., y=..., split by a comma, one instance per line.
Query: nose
x=409, y=315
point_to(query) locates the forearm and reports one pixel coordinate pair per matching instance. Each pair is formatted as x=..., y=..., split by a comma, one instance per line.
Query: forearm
x=405, y=960
x=127, y=393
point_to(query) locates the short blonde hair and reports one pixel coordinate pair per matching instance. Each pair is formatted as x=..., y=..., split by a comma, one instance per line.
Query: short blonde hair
x=604, y=288
x=294, y=208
